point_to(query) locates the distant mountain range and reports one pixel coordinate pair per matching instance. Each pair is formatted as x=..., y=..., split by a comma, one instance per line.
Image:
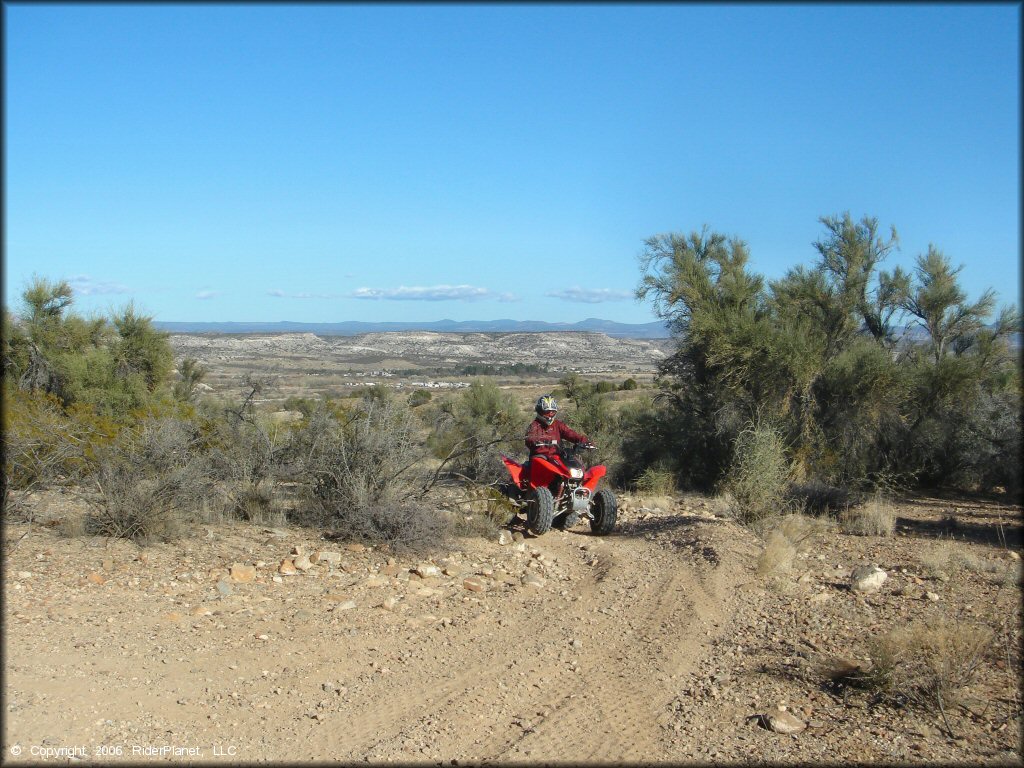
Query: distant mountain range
x=655, y=330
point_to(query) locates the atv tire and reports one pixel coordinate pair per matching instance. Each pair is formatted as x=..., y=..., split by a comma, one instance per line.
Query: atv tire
x=540, y=512
x=604, y=511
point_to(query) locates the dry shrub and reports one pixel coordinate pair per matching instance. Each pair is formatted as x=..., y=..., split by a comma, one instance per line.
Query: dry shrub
x=817, y=498
x=247, y=457
x=1011, y=574
x=759, y=475
x=968, y=560
x=361, y=462
x=41, y=446
x=258, y=504
x=723, y=505
x=663, y=503
x=147, y=481
x=400, y=527
x=134, y=508
x=927, y=663
x=495, y=505
x=72, y=526
x=482, y=513
x=473, y=526
x=875, y=517
x=941, y=560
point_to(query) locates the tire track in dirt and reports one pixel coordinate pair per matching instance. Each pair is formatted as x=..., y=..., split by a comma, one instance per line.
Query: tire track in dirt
x=612, y=714
x=524, y=692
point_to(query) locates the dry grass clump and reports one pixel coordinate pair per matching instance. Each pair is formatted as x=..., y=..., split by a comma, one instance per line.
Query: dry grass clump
x=722, y=505
x=927, y=663
x=974, y=563
x=663, y=503
x=875, y=517
x=784, y=537
x=941, y=560
x=655, y=482
x=258, y=504
x=1011, y=574
x=777, y=556
x=938, y=560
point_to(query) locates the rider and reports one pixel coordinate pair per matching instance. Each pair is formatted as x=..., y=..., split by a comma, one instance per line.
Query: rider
x=545, y=431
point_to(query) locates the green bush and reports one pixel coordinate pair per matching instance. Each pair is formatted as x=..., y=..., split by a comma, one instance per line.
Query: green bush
x=420, y=397
x=471, y=431
x=115, y=365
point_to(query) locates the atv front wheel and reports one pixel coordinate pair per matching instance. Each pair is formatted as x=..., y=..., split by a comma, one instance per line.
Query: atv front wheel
x=604, y=510
x=540, y=511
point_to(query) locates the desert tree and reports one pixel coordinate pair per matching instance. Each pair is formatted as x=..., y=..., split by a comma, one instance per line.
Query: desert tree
x=939, y=304
x=852, y=294
x=140, y=348
x=816, y=355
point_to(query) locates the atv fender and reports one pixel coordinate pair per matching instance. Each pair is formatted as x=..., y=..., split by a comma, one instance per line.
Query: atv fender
x=592, y=475
x=515, y=469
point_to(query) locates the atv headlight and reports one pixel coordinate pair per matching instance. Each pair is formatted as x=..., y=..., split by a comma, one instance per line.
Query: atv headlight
x=574, y=472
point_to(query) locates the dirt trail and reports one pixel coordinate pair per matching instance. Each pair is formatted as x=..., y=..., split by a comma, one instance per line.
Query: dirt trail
x=658, y=644
x=572, y=652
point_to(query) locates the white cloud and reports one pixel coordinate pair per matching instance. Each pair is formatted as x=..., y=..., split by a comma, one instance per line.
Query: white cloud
x=591, y=295
x=84, y=285
x=278, y=294
x=431, y=293
x=207, y=295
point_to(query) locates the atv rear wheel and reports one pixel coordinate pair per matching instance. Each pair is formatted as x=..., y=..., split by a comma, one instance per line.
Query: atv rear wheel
x=604, y=510
x=540, y=512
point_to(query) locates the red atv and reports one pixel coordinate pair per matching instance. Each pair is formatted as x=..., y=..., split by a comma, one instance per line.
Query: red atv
x=559, y=491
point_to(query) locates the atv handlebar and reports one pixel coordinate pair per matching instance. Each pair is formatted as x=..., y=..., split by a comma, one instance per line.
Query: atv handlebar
x=585, y=446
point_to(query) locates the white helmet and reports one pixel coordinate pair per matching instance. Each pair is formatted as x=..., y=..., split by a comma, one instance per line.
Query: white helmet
x=546, y=409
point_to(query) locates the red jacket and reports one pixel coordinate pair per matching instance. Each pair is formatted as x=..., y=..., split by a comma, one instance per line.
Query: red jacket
x=538, y=432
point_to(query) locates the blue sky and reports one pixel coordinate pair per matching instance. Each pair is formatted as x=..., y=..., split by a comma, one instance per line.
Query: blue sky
x=333, y=162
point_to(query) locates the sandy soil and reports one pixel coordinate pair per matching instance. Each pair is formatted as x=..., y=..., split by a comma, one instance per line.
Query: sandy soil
x=659, y=643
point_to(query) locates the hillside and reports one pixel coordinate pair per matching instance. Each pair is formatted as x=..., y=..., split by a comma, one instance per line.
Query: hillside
x=326, y=364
